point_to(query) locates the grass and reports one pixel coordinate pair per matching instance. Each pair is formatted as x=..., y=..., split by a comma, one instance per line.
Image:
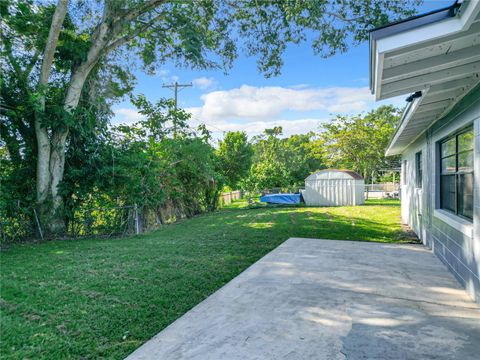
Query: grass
x=97, y=298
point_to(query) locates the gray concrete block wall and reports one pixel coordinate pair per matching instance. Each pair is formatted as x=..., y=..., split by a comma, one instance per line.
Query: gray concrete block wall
x=458, y=249
x=455, y=249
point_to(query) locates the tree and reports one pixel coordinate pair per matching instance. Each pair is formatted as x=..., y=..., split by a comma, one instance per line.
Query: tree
x=152, y=166
x=23, y=37
x=283, y=162
x=235, y=156
x=359, y=142
x=85, y=37
x=304, y=157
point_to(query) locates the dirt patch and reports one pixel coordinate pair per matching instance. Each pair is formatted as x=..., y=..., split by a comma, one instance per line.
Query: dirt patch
x=408, y=235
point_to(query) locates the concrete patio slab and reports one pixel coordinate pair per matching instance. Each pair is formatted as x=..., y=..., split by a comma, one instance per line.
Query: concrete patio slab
x=324, y=299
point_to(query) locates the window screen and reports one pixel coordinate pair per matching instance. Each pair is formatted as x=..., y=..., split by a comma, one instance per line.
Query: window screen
x=456, y=174
x=418, y=170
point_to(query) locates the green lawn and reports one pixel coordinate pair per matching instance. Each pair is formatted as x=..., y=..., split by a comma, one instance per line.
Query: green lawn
x=97, y=298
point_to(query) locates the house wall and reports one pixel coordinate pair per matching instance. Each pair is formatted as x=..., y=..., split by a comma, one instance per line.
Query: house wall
x=454, y=240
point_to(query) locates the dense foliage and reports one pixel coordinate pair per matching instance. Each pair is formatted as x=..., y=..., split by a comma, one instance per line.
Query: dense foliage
x=359, y=142
x=65, y=64
x=282, y=162
x=147, y=164
x=346, y=142
x=163, y=166
x=235, y=156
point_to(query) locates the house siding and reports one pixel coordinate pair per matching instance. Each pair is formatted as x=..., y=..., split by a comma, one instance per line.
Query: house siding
x=455, y=241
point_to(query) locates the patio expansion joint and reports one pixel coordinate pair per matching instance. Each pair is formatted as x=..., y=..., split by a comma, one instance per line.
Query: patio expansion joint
x=425, y=301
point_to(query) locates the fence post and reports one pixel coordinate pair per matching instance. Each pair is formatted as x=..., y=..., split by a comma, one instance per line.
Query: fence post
x=137, y=221
x=38, y=223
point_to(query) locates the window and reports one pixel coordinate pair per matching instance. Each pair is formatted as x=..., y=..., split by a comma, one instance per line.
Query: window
x=456, y=174
x=418, y=170
x=404, y=172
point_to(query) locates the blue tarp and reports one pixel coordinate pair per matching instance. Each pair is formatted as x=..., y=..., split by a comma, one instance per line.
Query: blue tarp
x=281, y=198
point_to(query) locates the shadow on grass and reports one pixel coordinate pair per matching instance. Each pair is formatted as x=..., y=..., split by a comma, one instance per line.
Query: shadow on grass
x=325, y=225
x=95, y=298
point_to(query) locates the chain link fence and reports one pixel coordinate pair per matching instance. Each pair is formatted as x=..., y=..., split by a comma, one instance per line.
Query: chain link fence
x=382, y=191
x=22, y=224
x=113, y=221
x=18, y=223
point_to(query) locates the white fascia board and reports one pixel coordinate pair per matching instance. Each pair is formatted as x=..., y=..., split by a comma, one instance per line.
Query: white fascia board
x=422, y=34
x=378, y=74
x=407, y=116
x=432, y=31
x=373, y=68
x=425, y=33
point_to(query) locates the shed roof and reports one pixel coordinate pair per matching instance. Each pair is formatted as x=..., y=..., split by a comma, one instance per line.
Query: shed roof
x=435, y=56
x=334, y=174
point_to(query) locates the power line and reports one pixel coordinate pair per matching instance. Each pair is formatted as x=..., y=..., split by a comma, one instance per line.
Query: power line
x=201, y=122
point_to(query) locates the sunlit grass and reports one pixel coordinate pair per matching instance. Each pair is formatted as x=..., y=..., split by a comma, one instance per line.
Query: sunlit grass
x=102, y=298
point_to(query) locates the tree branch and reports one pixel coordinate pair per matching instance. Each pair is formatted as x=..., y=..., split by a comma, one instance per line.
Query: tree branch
x=136, y=12
x=125, y=39
x=51, y=46
x=11, y=58
x=32, y=62
x=341, y=17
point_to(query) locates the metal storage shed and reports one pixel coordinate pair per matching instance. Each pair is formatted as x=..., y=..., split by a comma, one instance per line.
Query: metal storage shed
x=334, y=188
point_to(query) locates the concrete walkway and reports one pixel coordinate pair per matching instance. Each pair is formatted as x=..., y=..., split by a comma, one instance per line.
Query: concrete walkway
x=324, y=299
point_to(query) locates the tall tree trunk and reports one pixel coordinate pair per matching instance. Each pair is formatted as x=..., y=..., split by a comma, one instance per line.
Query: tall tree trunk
x=60, y=135
x=51, y=153
x=56, y=171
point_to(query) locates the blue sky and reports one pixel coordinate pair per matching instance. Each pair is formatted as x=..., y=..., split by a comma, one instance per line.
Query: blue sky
x=310, y=90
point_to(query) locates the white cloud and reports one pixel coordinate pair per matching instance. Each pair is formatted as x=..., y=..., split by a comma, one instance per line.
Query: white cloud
x=166, y=75
x=289, y=127
x=253, y=109
x=204, y=82
x=300, y=86
x=259, y=103
x=126, y=116
x=163, y=72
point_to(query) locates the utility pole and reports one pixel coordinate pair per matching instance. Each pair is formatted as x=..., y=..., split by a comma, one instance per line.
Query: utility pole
x=176, y=86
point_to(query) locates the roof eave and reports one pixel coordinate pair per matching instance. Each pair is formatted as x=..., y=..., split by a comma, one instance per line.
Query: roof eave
x=401, y=26
x=406, y=116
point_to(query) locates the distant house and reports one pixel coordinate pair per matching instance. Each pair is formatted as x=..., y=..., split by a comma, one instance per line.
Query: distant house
x=435, y=59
